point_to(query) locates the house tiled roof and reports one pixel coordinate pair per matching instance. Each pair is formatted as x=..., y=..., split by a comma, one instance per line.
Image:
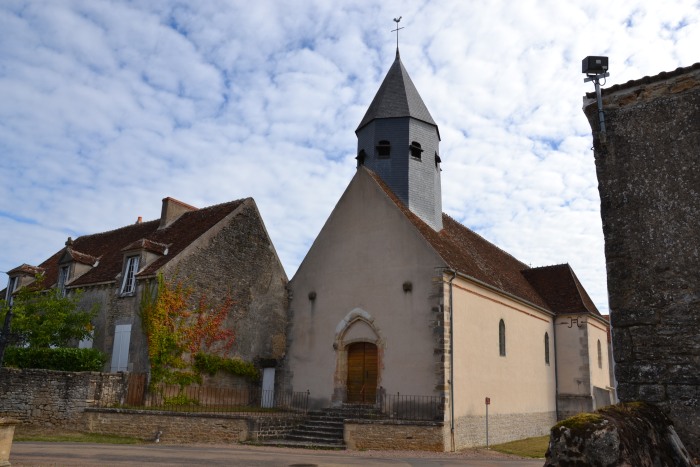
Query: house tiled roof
x=554, y=288
x=397, y=97
x=109, y=247
x=81, y=257
x=26, y=269
x=561, y=289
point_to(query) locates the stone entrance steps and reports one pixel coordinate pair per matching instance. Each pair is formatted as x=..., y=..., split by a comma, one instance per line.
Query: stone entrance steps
x=323, y=429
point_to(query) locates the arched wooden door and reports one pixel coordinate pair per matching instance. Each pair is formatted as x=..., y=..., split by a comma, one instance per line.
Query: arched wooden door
x=362, y=373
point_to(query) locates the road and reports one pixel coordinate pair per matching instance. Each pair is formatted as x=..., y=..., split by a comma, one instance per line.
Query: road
x=87, y=454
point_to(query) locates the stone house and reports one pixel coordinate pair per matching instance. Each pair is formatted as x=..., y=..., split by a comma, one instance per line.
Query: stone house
x=219, y=251
x=396, y=297
x=648, y=168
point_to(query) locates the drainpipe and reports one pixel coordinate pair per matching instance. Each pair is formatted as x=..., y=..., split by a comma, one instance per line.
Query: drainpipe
x=556, y=369
x=452, y=368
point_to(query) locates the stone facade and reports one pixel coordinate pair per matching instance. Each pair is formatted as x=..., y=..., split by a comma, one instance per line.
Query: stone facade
x=57, y=398
x=648, y=167
x=394, y=435
x=175, y=428
x=178, y=427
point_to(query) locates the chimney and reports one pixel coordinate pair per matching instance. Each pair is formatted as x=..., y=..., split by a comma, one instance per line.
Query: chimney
x=139, y=220
x=172, y=209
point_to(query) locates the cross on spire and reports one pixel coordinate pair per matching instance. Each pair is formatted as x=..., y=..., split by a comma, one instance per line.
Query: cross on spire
x=397, y=33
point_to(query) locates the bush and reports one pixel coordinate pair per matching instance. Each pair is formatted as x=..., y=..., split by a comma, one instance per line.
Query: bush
x=60, y=359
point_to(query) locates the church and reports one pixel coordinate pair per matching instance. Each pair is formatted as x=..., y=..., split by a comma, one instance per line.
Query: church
x=395, y=305
x=396, y=297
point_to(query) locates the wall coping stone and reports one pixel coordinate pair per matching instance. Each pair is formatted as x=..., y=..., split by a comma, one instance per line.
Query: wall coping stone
x=366, y=421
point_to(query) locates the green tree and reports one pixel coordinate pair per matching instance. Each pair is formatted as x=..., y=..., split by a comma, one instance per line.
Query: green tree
x=45, y=318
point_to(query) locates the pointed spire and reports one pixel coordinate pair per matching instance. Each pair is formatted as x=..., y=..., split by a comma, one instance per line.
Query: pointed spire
x=397, y=97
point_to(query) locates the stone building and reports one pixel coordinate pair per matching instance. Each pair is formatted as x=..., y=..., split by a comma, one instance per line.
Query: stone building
x=396, y=297
x=219, y=251
x=648, y=166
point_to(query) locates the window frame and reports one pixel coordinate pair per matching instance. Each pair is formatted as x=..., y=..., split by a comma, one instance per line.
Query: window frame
x=131, y=268
x=502, y=338
x=416, y=150
x=546, y=348
x=383, y=149
x=63, y=276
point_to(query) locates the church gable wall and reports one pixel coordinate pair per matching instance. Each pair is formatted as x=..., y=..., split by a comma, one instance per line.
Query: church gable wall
x=368, y=259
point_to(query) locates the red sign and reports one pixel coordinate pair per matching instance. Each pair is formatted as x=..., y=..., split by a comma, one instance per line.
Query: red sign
x=488, y=401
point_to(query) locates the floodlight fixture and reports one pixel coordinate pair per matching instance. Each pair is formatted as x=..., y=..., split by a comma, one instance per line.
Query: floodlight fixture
x=595, y=68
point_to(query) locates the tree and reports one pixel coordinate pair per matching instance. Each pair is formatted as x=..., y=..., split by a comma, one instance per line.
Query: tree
x=45, y=318
x=178, y=327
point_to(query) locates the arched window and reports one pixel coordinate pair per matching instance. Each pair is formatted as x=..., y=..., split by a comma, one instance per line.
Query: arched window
x=384, y=149
x=416, y=150
x=437, y=161
x=361, y=157
x=502, y=338
x=600, y=355
x=546, y=348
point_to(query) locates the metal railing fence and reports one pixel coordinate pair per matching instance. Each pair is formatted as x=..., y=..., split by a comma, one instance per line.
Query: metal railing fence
x=209, y=399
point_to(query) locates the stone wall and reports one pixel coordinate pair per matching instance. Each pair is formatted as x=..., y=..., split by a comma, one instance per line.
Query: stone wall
x=383, y=434
x=170, y=427
x=648, y=167
x=57, y=398
x=471, y=431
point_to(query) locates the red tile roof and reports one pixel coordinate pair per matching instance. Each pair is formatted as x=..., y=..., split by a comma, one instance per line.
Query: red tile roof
x=470, y=254
x=561, y=289
x=109, y=247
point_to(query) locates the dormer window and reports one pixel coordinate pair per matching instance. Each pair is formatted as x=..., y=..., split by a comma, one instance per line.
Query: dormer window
x=416, y=150
x=384, y=149
x=129, y=280
x=11, y=287
x=63, y=274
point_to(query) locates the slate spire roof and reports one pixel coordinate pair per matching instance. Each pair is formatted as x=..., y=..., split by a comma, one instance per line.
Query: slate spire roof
x=397, y=97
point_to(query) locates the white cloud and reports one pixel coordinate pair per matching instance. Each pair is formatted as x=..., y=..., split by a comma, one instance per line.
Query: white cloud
x=109, y=106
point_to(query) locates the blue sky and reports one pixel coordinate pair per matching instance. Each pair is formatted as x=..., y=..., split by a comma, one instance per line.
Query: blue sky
x=106, y=107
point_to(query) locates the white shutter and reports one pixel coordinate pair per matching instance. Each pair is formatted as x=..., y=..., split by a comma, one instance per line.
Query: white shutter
x=120, y=350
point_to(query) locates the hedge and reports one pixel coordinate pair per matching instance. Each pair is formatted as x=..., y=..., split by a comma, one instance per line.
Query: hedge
x=61, y=359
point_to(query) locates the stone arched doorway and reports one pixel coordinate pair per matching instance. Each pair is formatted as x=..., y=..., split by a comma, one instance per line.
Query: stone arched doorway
x=359, y=349
x=363, y=372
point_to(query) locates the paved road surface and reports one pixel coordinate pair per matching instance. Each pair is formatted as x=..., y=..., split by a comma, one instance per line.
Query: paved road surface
x=103, y=455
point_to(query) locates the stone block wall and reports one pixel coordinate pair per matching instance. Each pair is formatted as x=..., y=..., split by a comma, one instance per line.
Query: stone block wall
x=397, y=435
x=648, y=167
x=471, y=431
x=57, y=398
x=173, y=427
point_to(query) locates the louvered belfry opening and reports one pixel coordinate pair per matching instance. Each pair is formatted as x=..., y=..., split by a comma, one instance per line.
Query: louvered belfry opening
x=362, y=373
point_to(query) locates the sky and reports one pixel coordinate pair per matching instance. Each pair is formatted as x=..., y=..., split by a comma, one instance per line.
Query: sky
x=107, y=107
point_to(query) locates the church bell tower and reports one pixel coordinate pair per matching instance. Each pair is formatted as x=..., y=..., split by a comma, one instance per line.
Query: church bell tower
x=398, y=140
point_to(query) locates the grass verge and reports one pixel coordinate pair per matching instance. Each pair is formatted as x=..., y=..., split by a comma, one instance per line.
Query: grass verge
x=76, y=438
x=530, y=447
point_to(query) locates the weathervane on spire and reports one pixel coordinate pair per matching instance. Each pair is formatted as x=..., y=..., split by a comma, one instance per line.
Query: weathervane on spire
x=397, y=32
